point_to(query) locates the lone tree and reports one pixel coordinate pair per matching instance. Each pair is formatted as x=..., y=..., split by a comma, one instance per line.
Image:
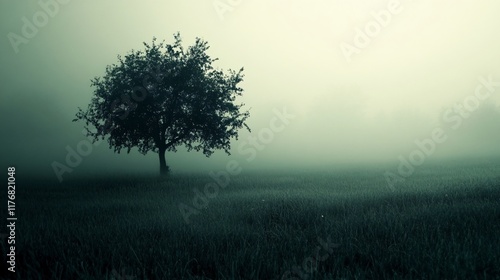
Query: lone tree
x=164, y=97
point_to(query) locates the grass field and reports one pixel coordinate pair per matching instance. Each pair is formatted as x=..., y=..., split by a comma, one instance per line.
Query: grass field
x=442, y=223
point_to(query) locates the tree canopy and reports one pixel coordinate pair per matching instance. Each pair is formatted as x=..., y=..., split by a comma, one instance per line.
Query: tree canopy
x=163, y=97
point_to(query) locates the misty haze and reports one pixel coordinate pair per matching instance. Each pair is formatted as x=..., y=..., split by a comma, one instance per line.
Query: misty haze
x=250, y=139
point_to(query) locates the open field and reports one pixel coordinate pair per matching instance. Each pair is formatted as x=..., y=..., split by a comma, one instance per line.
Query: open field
x=442, y=223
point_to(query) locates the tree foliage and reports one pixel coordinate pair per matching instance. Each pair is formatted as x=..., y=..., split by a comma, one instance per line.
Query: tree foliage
x=164, y=97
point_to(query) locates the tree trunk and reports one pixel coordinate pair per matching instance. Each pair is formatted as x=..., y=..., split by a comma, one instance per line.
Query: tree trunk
x=163, y=164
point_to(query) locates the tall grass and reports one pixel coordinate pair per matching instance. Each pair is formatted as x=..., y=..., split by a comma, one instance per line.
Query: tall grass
x=442, y=223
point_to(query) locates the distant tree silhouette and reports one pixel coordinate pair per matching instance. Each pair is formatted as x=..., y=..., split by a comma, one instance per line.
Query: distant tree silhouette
x=165, y=97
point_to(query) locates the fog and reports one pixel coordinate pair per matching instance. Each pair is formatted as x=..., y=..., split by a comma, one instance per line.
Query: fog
x=346, y=82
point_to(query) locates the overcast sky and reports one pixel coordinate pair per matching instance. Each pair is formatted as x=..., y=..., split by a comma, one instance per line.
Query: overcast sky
x=363, y=80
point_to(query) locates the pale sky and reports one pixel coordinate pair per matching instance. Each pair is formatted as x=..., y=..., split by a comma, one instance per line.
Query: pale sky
x=421, y=58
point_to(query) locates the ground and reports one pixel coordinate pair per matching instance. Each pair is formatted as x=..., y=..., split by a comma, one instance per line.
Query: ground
x=443, y=222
